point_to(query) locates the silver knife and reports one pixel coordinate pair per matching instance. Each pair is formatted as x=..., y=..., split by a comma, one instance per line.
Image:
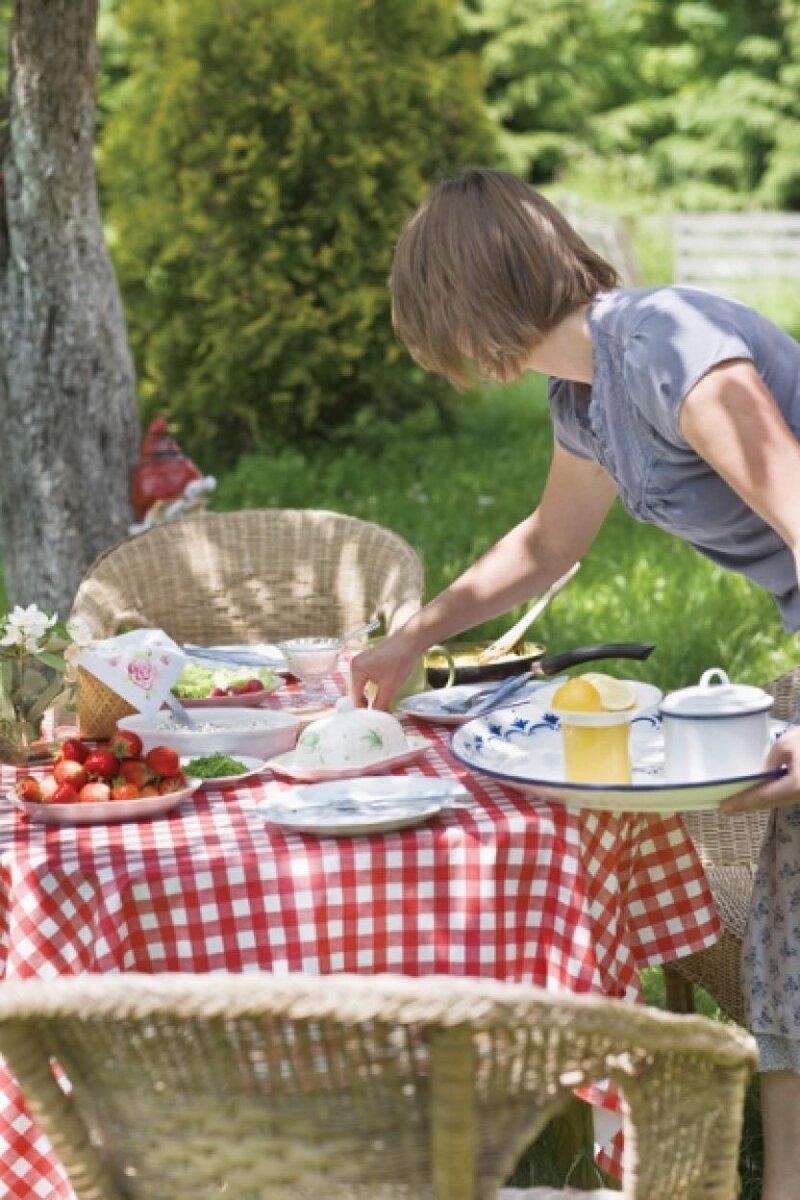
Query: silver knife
x=506, y=689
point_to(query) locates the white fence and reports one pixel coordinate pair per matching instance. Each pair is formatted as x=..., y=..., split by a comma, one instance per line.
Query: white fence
x=732, y=251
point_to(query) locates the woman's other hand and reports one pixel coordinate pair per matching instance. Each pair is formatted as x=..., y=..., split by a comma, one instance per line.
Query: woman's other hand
x=378, y=673
x=778, y=793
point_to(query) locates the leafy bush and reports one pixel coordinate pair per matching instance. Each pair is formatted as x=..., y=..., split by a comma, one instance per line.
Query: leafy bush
x=258, y=162
x=698, y=99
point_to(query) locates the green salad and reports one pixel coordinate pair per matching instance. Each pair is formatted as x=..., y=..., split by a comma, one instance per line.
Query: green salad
x=197, y=683
x=214, y=766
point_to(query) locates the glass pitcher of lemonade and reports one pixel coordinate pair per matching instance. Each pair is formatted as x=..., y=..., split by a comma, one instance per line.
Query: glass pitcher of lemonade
x=595, y=713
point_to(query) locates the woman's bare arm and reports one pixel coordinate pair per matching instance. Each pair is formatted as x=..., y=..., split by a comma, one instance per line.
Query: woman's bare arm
x=573, y=506
x=732, y=420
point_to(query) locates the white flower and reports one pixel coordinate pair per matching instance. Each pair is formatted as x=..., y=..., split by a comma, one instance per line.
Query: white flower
x=79, y=631
x=25, y=626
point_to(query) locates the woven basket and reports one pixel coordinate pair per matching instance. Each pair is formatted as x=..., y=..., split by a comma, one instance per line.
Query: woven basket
x=99, y=708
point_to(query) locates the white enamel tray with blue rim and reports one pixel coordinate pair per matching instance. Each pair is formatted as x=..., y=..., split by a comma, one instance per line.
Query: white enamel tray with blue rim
x=521, y=746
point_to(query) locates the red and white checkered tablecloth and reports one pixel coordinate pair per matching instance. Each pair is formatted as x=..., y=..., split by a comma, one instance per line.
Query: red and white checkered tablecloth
x=510, y=888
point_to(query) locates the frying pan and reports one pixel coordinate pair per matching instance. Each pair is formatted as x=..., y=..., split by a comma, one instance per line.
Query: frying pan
x=457, y=663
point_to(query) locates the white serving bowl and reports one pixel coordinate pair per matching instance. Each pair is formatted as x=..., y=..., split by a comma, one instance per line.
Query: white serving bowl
x=257, y=732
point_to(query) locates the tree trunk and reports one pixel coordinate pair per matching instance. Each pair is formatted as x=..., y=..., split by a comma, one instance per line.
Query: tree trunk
x=69, y=425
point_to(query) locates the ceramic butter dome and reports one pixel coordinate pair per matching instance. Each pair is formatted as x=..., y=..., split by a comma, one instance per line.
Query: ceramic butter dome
x=350, y=737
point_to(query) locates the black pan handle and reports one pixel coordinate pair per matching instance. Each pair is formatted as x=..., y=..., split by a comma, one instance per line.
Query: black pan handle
x=551, y=664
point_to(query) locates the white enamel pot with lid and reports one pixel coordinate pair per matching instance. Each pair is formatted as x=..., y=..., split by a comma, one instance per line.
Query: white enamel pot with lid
x=715, y=730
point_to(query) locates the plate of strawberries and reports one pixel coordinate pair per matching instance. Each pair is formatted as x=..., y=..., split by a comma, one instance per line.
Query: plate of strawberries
x=87, y=784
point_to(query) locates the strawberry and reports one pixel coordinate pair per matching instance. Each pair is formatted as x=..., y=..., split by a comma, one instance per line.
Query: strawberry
x=65, y=793
x=125, y=744
x=69, y=770
x=94, y=793
x=242, y=689
x=135, y=771
x=28, y=788
x=101, y=763
x=48, y=787
x=120, y=790
x=173, y=783
x=163, y=760
x=75, y=749
x=149, y=790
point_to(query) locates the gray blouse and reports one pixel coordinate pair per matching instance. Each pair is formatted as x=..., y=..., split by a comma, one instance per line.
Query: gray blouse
x=650, y=347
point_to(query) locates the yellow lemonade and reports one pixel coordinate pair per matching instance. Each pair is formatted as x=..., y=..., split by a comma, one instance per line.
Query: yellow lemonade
x=600, y=755
x=595, y=753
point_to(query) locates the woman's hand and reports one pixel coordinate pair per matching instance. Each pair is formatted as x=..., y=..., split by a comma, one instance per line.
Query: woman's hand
x=778, y=793
x=386, y=667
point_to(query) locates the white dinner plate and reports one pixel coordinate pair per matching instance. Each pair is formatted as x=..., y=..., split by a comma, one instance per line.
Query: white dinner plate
x=521, y=747
x=286, y=766
x=430, y=705
x=108, y=812
x=253, y=767
x=342, y=808
x=648, y=699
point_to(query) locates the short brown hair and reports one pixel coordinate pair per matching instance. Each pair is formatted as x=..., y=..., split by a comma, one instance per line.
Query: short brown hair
x=482, y=271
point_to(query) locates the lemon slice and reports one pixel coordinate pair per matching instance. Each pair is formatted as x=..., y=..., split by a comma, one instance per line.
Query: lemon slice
x=615, y=694
x=577, y=695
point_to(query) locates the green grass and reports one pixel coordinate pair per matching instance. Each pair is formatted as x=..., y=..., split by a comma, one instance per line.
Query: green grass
x=453, y=493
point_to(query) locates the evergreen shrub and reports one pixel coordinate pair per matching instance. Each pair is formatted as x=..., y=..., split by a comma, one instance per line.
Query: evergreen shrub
x=258, y=162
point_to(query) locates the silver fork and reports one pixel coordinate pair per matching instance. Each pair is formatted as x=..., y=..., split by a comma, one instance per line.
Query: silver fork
x=464, y=703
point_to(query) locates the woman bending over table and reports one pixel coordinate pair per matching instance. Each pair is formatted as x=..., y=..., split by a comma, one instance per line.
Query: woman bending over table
x=684, y=404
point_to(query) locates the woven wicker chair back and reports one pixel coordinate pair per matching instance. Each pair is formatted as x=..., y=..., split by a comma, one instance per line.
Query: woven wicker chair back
x=253, y=575
x=293, y=1087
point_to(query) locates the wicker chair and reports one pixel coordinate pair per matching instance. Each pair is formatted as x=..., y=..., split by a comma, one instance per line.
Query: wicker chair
x=729, y=847
x=253, y=575
x=295, y=1087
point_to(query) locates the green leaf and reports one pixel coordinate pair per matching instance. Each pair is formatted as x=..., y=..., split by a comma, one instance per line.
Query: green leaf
x=52, y=660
